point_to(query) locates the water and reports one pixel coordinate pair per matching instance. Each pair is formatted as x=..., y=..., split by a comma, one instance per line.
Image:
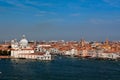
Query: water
x=59, y=69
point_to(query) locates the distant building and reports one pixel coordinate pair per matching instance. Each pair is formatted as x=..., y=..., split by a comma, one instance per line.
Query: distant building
x=22, y=49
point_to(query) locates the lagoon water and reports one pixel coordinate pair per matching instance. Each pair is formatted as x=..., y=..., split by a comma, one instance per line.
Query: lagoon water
x=61, y=68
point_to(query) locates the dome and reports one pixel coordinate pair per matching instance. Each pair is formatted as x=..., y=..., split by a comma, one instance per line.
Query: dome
x=23, y=42
x=12, y=41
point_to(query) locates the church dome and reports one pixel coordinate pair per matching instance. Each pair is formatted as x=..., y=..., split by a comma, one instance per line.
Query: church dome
x=12, y=41
x=23, y=42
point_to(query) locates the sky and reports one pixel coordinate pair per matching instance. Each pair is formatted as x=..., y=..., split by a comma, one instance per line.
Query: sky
x=60, y=19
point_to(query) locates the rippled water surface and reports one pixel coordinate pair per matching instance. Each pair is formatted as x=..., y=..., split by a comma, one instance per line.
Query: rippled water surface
x=59, y=69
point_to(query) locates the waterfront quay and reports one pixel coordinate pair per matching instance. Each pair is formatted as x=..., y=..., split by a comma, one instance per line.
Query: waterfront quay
x=45, y=49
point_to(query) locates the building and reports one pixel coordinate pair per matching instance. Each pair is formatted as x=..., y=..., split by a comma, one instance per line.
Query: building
x=22, y=49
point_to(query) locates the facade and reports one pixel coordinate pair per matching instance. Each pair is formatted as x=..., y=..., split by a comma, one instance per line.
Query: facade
x=22, y=49
x=39, y=56
x=71, y=52
x=108, y=55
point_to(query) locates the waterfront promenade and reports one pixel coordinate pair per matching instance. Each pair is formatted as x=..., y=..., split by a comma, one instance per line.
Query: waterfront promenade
x=4, y=57
x=81, y=49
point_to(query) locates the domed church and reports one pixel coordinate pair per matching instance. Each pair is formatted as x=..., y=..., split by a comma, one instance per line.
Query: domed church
x=23, y=42
x=20, y=47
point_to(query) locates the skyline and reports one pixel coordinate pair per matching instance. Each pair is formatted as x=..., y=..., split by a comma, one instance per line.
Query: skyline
x=60, y=19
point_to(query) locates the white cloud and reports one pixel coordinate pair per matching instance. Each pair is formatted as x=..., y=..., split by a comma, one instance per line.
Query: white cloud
x=24, y=5
x=96, y=21
x=14, y=3
x=114, y=3
x=39, y=15
x=100, y=21
x=75, y=14
x=38, y=3
x=56, y=20
x=43, y=13
x=104, y=21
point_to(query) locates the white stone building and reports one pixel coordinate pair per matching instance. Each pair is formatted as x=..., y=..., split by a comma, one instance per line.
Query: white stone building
x=22, y=49
x=71, y=52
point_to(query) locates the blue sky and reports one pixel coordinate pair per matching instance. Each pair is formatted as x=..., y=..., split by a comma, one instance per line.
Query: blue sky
x=60, y=19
